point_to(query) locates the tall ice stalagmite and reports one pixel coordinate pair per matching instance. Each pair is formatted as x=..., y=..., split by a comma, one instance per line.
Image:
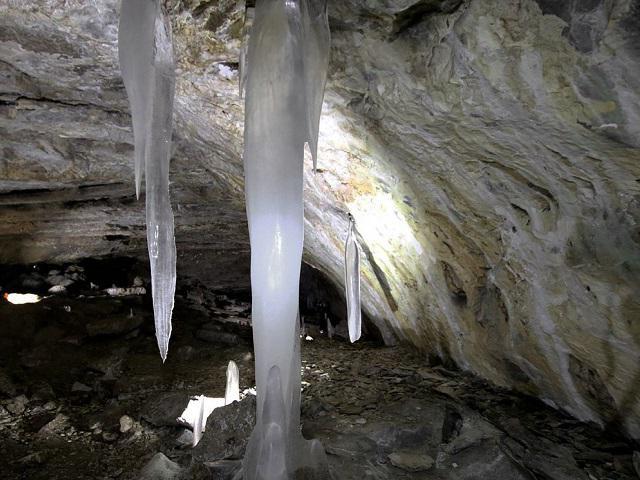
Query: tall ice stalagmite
x=284, y=56
x=145, y=50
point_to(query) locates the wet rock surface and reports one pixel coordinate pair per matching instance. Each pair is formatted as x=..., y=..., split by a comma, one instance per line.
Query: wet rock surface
x=380, y=412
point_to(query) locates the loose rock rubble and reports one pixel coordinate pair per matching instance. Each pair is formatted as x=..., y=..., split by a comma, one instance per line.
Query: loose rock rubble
x=104, y=407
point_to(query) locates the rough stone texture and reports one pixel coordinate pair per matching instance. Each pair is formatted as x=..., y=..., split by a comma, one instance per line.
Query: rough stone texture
x=160, y=468
x=489, y=151
x=227, y=432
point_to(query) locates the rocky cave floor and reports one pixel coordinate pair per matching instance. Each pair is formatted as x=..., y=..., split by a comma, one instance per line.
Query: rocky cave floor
x=84, y=395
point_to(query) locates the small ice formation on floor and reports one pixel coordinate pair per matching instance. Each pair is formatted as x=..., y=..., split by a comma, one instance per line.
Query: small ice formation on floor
x=145, y=52
x=285, y=77
x=352, y=282
x=200, y=407
x=232, y=392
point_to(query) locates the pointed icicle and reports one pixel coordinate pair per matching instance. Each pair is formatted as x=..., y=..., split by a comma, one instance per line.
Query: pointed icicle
x=160, y=229
x=317, y=39
x=135, y=52
x=352, y=282
x=145, y=51
x=232, y=392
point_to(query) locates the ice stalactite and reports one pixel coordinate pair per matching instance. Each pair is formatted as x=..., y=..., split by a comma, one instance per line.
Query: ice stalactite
x=135, y=52
x=232, y=392
x=317, y=39
x=148, y=69
x=352, y=282
x=278, y=108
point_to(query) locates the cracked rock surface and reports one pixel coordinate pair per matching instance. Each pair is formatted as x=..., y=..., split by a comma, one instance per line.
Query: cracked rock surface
x=488, y=150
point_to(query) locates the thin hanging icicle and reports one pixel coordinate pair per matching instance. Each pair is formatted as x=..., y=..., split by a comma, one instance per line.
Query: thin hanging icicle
x=135, y=52
x=352, y=282
x=146, y=55
x=317, y=39
x=280, y=113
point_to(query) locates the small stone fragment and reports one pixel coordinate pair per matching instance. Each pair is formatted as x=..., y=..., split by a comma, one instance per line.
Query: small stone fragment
x=411, y=462
x=160, y=468
x=18, y=404
x=109, y=437
x=80, y=387
x=126, y=423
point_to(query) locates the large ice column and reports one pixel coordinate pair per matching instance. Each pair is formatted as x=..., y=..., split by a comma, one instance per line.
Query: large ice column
x=148, y=68
x=277, y=125
x=275, y=131
x=352, y=282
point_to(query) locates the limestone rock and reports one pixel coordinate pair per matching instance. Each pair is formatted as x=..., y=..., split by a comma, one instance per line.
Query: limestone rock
x=488, y=150
x=164, y=408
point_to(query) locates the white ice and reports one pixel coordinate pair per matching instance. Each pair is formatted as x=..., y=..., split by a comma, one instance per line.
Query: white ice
x=352, y=282
x=232, y=392
x=200, y=421
x=317, y=39
x=196, y=413
x=200, y=407
x=277, y=125
x=148, y=69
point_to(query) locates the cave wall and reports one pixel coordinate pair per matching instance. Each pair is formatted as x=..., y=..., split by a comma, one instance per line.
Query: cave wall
x=489, y=151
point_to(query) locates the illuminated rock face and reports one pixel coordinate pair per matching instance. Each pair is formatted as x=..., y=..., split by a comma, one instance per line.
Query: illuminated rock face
x=489, y=153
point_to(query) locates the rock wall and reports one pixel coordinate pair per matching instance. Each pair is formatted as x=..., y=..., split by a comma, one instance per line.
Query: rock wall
x=489, y=151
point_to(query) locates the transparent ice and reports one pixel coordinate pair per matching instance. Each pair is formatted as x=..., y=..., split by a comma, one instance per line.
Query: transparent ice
x=279, y=110
x=148, y=69
x=352, y=282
